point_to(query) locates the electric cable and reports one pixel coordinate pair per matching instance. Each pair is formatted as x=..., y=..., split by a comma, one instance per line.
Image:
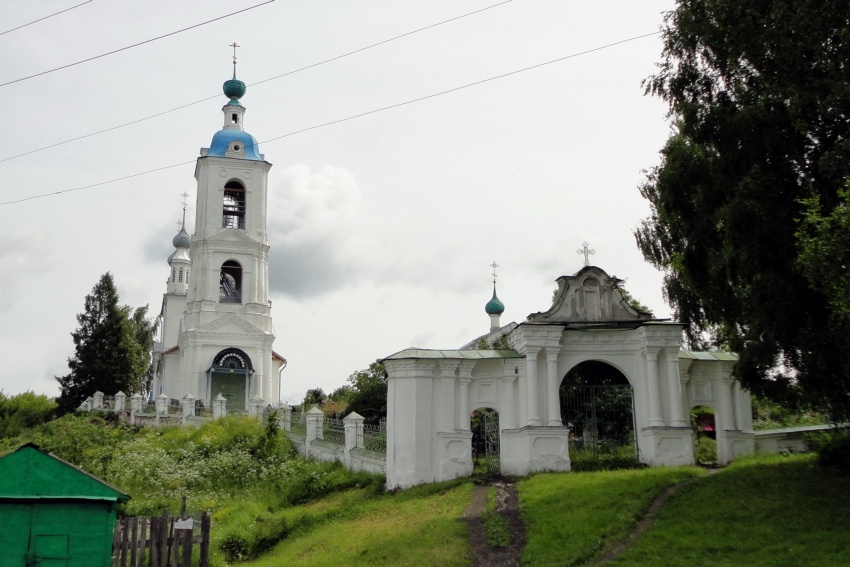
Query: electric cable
x=45, y=17
x=114, y=51
x=352, y=117
x=252, y=84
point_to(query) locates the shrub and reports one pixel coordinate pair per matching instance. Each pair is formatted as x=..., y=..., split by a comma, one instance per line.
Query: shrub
x=835, y=451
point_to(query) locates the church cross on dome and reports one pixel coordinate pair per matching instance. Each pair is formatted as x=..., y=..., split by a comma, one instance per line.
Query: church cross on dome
x=234, y=45
x=494, y=265
x=586, y=252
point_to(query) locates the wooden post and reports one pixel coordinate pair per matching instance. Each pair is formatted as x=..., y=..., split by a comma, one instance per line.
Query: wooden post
x=205, y=540
x=153, y=560
x=145, y=543
x=175, y=544
x=134, y=540
x=164, y=524
x=116, y=541
x=187, y=548
x=124, y=538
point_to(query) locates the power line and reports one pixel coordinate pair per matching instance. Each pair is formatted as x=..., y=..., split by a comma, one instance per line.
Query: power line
x=252, y=84
x=45, y=17
x=135, y=44
x=352, y=117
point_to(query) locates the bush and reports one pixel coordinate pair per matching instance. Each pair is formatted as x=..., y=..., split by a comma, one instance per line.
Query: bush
x=834, y=451
x=24, y=411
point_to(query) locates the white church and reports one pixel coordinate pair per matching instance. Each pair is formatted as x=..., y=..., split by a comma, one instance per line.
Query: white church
x=217, y=338
x=217, y=331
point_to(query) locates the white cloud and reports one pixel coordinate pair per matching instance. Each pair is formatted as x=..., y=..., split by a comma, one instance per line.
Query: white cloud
x=21, y=254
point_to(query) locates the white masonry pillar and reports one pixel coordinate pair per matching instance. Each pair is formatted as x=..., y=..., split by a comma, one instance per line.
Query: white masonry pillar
x=507, y=417
x=677, y=416
x=554, y=406
x=463, y=409
x=531, y=378
x=654, y=393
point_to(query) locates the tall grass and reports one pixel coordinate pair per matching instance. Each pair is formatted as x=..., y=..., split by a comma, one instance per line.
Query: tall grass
x=419, y=526
x=761, y=511
x=572, y=517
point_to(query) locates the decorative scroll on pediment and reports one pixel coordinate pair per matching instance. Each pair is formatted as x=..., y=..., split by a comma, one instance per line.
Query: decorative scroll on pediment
x=589, y=296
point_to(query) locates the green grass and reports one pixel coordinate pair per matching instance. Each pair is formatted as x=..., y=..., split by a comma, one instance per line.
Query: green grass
x=573, y=517
x=420, y=526
x=495, y=525
x=768, y=510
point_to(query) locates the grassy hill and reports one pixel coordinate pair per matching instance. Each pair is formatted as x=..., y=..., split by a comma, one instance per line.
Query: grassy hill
x=270, y=507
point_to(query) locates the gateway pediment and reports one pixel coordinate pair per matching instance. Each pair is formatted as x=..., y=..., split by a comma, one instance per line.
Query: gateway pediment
x=590, y=296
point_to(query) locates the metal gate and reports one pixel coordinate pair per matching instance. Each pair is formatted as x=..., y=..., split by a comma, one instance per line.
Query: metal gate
x=600, y=419
x=491, y=442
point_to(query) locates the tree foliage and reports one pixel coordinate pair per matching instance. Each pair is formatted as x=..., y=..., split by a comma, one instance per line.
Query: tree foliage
x=112, y=348
x=24, y=411
x=369, y=398
x=749, y=183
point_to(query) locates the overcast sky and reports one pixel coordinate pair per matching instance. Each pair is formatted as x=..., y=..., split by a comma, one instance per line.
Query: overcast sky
x=381, y=228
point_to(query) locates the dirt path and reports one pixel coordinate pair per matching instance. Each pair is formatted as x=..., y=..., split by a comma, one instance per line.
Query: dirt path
x=507, y=506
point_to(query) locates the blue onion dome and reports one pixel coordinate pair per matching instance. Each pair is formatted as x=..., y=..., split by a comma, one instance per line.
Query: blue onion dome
x=234, y=89
x=494, y=306
x=182, y=240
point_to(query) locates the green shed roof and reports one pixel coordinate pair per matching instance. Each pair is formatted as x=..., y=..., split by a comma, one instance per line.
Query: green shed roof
x=31, y=473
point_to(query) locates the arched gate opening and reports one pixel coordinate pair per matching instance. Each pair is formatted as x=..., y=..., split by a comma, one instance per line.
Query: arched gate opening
x=597, y=406
x=486, y=437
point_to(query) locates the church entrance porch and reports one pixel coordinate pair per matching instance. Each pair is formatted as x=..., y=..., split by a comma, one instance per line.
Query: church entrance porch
x=232, y=386
x=230, y=376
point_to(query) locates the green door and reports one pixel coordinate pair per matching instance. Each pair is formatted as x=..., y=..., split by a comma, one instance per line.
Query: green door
x=51, y=550
x=231, y=385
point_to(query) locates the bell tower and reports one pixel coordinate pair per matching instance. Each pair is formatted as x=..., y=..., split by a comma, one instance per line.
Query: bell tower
x=226, y=335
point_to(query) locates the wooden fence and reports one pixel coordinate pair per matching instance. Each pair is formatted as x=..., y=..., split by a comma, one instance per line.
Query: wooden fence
x=161, y=541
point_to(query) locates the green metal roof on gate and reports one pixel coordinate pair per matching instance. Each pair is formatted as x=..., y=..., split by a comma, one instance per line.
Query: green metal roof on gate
x=454, y=354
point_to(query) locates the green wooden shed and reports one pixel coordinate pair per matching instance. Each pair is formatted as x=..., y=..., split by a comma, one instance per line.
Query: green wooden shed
x=53, y=514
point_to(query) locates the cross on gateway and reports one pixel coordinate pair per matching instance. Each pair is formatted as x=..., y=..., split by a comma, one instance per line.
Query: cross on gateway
x=586, y=252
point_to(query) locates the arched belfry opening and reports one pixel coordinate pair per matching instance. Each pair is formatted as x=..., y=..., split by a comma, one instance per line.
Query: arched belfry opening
x=233, y=211
x=230, y=376
x=230, y=283
x=597, y=406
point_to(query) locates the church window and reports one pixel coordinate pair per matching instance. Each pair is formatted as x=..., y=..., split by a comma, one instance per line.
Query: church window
x=234, y=118
x=173, y=274
x=233, y=213
x=187, y=275
x=230, y=287
x=180, y=276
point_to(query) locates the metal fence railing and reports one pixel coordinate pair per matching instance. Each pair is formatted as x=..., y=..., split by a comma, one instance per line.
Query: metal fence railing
x=333, y=430
x=297, y=424
x=374, y=438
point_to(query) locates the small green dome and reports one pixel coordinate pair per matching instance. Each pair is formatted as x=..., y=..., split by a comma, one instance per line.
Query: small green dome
x=234, y=89
x=494, y=306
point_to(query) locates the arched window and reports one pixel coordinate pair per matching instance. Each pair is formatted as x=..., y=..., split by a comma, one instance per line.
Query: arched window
x=173, y=274
x=180, y=276
x=230, y=287
x=187, y=275
x=233, y=212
